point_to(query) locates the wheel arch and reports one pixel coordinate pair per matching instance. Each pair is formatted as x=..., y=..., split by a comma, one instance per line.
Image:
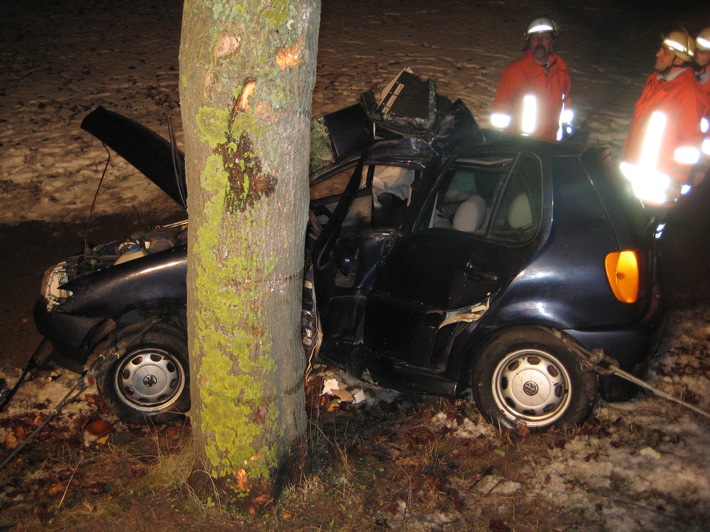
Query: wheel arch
x=173, y=313
x=146, y=374
x=475, y=345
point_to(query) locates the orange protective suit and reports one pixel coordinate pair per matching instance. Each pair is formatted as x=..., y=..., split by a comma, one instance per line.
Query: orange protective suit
x=684, y=104
x=705, y=84
x=550, y=85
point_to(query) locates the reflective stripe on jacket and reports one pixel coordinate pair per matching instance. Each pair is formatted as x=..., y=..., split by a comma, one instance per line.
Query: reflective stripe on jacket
x=550, y=85
x=683, y=103
x=706, y=141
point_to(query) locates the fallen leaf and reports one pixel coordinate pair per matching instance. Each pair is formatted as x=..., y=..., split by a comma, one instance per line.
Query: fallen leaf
x=56, y=488
x=241, y=479
x=11, y=441
x=263, y=499
x=96, y=432
x=343, y=395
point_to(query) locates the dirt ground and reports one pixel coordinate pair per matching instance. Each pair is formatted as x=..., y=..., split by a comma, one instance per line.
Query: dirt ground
x=384, y=467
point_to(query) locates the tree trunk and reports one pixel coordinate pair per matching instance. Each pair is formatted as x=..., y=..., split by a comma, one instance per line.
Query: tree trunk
x=247, y=70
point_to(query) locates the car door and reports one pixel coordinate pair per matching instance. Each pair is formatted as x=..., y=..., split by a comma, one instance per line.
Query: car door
x=358, y=230
x=479, y=225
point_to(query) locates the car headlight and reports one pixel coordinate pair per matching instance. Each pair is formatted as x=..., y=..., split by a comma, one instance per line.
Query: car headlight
x=51, y=290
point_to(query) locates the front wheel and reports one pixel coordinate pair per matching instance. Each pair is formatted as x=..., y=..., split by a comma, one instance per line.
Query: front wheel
x=150, y=381
x=530, y=377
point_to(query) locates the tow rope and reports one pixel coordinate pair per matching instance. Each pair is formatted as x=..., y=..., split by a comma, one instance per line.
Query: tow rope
x=598, y=361
x=86, y=380
x=33, y=364
x=595, y=360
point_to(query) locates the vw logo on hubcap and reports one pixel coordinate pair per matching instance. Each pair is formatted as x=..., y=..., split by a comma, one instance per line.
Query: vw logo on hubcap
x=530, y=388
x=150, y=380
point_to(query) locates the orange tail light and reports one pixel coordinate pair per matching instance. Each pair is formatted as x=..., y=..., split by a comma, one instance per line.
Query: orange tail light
x=623, y=270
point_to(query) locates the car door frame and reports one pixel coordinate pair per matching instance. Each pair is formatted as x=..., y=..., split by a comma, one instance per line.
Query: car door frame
x=439, y=327
x=333, y=271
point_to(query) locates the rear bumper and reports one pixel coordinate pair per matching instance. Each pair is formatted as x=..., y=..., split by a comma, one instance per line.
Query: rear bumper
x=632, y=346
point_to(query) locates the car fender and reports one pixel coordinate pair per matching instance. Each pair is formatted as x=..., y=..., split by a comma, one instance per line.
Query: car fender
x=151, y=281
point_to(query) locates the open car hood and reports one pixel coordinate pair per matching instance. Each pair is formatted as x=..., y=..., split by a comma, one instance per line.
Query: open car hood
x=159, y=160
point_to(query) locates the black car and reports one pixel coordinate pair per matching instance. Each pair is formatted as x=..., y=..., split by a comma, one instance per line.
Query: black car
x=450, y=260
x=486, y=272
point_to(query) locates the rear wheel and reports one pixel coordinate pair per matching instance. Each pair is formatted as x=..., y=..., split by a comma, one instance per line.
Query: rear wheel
x=150, y=382
x=529, y=377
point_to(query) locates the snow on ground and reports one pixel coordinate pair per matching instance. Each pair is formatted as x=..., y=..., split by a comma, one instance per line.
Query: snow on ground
x=62, y=59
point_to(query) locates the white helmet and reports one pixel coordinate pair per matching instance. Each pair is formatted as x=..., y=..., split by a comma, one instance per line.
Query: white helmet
x=702, y=41
x=542, y=24
x=680, y=43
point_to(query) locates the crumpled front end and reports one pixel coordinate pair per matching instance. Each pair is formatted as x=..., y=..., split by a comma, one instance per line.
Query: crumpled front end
x=82, y=297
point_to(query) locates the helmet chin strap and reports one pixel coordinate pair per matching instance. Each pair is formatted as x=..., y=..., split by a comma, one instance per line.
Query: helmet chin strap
x=667, y=71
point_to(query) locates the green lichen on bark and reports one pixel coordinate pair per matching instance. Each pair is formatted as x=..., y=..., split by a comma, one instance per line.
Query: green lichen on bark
x=271, y=15
x=228, y=134
x=230, y=276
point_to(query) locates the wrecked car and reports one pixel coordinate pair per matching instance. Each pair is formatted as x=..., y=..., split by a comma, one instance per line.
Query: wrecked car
x=465, y=262
x=442, y=259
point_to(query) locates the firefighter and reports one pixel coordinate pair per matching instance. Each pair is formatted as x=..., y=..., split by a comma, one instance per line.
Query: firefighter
x=702, y=58
x=664, y=138
x=533, y=95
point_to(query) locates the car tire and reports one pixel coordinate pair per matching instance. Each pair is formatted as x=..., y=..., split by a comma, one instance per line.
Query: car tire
x=529, y=377
x=150, y=381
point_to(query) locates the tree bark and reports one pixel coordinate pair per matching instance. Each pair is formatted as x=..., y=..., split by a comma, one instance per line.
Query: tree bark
x=247, y=71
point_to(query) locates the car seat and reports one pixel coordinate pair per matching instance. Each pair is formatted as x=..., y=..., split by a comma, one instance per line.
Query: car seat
x=470, y=215
x=520, y=214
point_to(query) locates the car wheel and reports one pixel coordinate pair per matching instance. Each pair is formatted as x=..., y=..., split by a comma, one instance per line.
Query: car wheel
x=529, y=377
x=150, y=381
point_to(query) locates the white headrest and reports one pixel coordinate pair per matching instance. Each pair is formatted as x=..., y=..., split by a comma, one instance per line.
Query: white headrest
x=520, y=215
x=470, y=214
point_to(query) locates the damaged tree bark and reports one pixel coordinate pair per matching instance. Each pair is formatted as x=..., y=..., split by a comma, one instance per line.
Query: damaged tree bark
x=247, y=71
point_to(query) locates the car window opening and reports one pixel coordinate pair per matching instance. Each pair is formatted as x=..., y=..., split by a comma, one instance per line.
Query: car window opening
x=497, y=197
